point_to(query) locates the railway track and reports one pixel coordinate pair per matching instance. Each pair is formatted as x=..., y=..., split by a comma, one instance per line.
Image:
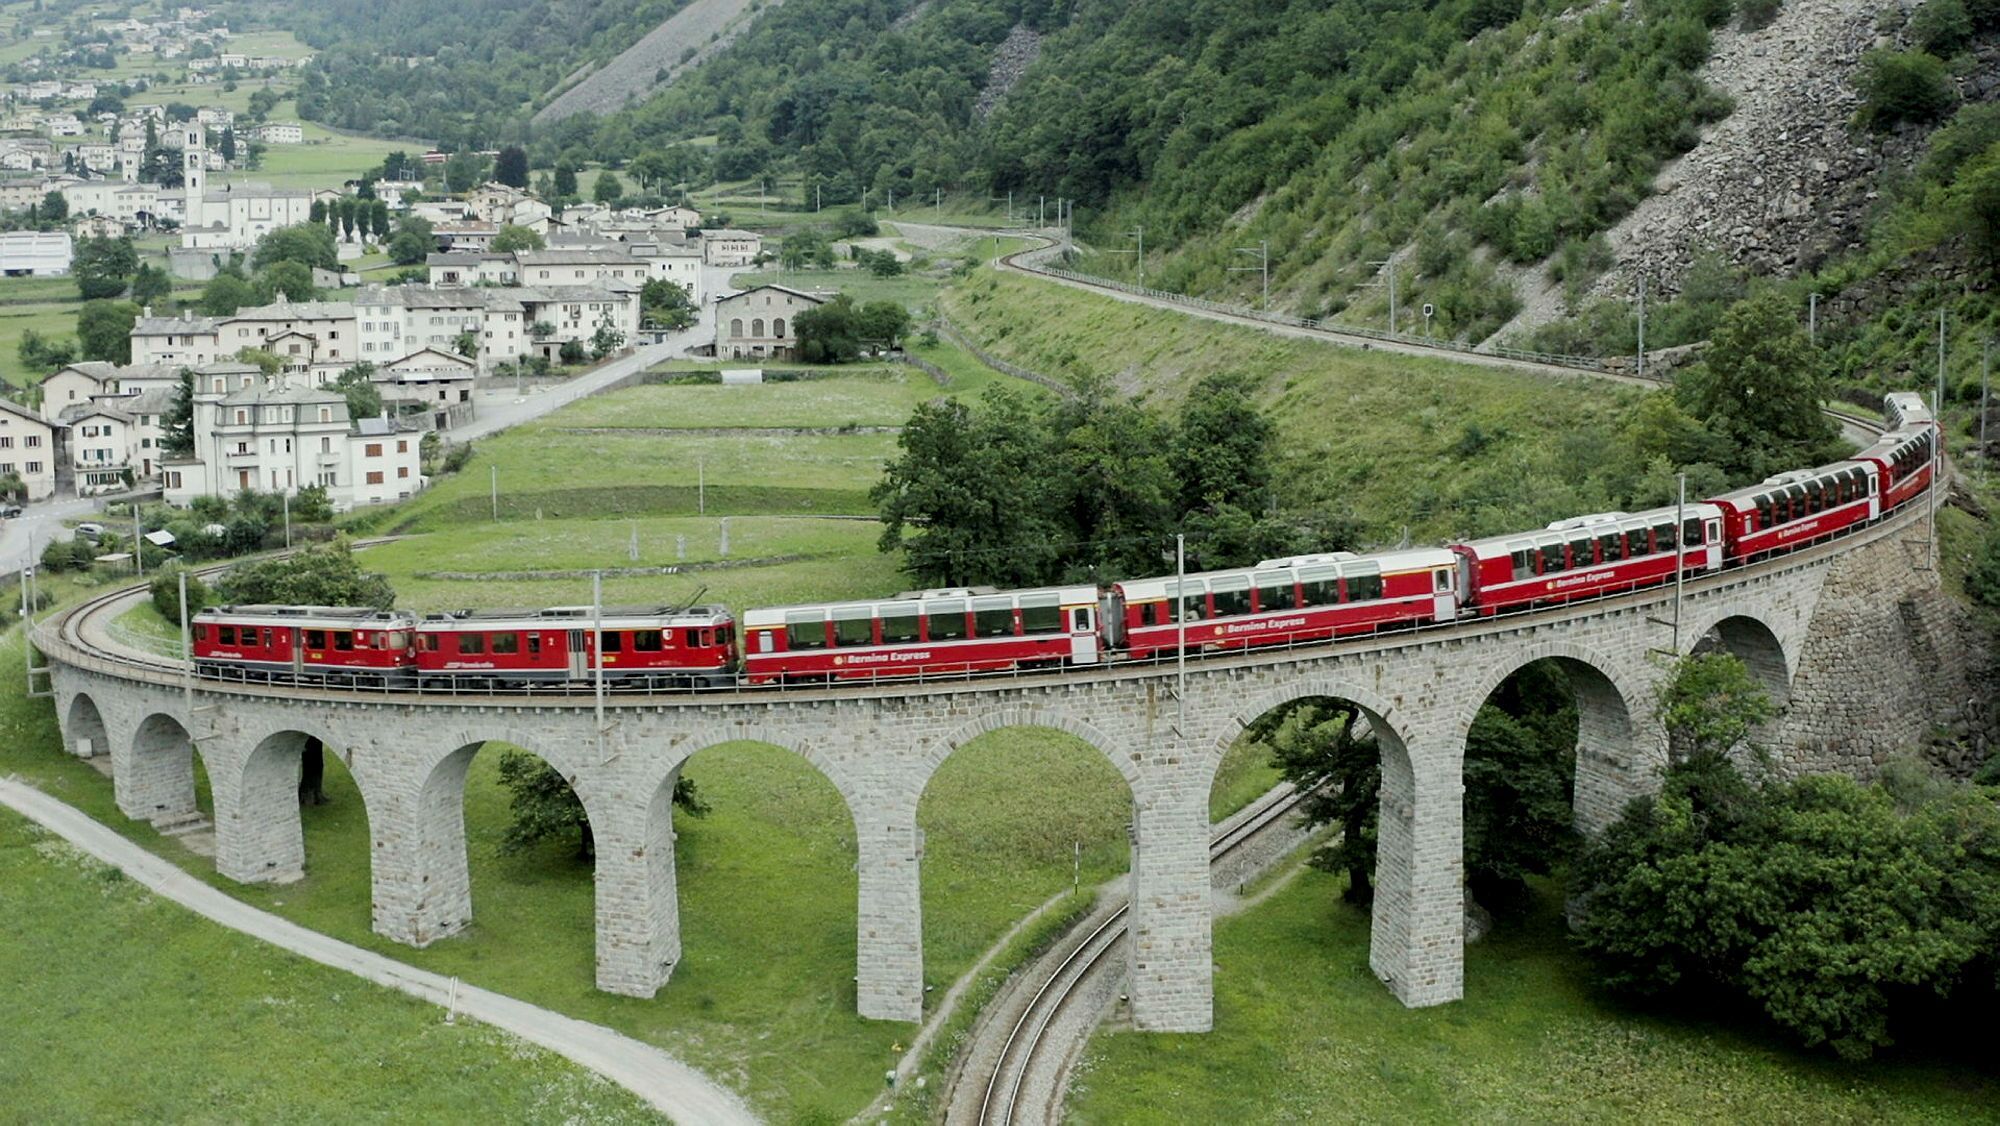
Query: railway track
x=1024, y=1050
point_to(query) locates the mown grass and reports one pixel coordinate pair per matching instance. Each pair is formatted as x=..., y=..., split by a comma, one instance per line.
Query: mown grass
x=908, y=289
x=867, y=397
x=1440, y=448
x=52, y=319
x=1303, y=1031
x=120, y=1006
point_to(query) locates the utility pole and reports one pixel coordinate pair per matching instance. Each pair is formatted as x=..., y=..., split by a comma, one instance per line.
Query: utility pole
x=1180, y=628
x=187, y=649
x=288, y=521
x=597, y=650
x=815, y=197
x=1642, y=329
x=700, y=485
x=1680, y=559
x=1985, y=380
x=1937, y=444
x=1389, y=264
x=496, y=491
x=138, y=541
x=1812, y=319
x=1263, y=268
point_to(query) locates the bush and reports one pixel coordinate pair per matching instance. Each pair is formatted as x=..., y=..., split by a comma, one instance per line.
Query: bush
x=1942, y=27
x=1753, y=14
x=1982, y=583
x=1904, y=86
x=316, y=576
x=166, y=592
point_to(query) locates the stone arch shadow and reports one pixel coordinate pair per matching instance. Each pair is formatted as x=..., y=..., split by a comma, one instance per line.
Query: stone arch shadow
x=638, y=886
x=1618, y=753
x=155, y=782
x=442, y=879
x=1756, y=643
x=267, y=841
x=1416, y=929
x=1104, y=750
x=83, y=730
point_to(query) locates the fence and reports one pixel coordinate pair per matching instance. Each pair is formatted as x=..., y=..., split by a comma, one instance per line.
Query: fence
x=1547, y=359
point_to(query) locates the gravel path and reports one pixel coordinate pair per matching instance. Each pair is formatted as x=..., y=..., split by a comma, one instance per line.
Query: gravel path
x=676, y=1089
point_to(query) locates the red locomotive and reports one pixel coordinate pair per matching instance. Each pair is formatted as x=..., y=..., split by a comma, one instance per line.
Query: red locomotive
x=653, y=646
x=326, y=644
x=920, y=632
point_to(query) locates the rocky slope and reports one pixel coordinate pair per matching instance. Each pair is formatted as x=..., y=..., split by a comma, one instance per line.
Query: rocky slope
x=687, y=39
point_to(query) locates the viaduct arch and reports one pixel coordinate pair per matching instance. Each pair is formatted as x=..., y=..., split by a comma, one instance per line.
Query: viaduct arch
x=880, y=745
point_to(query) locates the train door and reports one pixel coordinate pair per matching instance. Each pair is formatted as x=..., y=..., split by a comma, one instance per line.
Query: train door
x=1082, y=636
x=579, y=654
x=1712, y=543
x=282, y=643
x=1444, y=596
x=1874, y=494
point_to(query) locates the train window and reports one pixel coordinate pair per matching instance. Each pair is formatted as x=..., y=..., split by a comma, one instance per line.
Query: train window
x=1040, y=613
x=1275, y=591
x=1152, y=613
x=993, y=617
x=1364, y=588
x=767, y=640
x=648, y=640
x=1638, y=542
x=1580, y=554
x=1691, y=532
x=472, y=643
x=1441, y=582
x=1663, y=536
x=343, y=640
x=1232, y=595
x=945, y=621
x=854, y=627
x=1522, y=556
x=534, y=645
x=428, y=642
x=397, y=640
x=1764, y=511
x=1194, y=602
x=1552, y=557
x=315, y=639
x=506, y=643
x=1319, y=586
x=690, y=639
x=805, y=630
x=614, y=642
x=899, y=627
x=225, y=635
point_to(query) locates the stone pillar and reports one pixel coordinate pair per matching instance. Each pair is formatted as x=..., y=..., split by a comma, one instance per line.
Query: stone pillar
x=152, y=775
x=1613, y=763
x=422, y=887
x=258, y=836
x=889, y=970
x=1172, y=979
x=638, y=912
x=1417, y=937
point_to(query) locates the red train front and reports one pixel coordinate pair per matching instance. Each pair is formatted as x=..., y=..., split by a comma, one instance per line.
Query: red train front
x=655, y=646
x=329, y=644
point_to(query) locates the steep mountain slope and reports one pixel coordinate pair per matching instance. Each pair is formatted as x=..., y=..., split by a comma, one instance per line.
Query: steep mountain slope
x=689, y=38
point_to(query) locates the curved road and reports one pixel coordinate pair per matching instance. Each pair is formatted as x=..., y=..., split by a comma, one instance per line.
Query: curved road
x=677, y=1090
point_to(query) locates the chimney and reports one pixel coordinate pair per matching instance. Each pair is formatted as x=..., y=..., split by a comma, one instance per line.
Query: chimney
x=147, y=312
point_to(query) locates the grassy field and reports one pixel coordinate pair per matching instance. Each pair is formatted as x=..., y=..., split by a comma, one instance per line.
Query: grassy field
x=868, y=397
x=911, y=290
x=1304, y=1032
x=51, y=319
x=1402, y=443
x=96, y=968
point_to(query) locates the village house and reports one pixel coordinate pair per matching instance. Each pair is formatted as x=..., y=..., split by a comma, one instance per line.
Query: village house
x=758, y=323
x=731, y=248
x=27, y=449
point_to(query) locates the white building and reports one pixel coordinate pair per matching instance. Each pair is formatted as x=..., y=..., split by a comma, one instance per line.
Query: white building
x=281, y=134
x=101, y=441
x=298, y=332
x=579, y=267
x=186, y=340
x=271, y=437
x=398, y=320
x=36, y=254
x=758, y=323
x=731, y=248
x=27, y=448
x=236, y=216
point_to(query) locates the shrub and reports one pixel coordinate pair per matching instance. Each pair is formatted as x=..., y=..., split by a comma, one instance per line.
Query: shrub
x=1942, y=27
x=166, y=592
x=1903, y=86
x=1753, y=14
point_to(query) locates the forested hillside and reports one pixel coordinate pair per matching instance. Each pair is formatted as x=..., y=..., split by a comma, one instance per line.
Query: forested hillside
x=461, y=73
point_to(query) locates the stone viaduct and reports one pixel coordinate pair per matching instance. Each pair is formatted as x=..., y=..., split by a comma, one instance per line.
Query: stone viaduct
x=879, y=746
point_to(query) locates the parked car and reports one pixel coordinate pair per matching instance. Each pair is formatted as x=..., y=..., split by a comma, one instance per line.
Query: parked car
x=89, y=531
x=10, y=511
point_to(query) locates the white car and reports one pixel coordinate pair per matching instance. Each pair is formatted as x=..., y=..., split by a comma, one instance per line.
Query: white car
x=89, y=531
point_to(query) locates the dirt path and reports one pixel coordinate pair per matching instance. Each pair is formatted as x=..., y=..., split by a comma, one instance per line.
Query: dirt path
x=673, y=1087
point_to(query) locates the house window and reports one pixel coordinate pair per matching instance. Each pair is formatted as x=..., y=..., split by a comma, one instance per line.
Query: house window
x=757, y=327
x=375, y=477
x=374, y=449
x=402, y=471
x=32, y=440
x=34, y=467
x=736, y=326
x=778, y=327
x=242, y=417
x=326, y=414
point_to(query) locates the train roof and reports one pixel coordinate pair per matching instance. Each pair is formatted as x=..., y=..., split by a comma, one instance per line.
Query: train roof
x=349, y=617
x=1073, y=595
x=578, y=617
x=1598, y=524
x=1906, y=410
x=1320, y=566
x=1780, y=481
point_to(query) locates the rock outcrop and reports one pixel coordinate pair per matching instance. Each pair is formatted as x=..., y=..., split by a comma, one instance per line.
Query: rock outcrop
x=1011, y=60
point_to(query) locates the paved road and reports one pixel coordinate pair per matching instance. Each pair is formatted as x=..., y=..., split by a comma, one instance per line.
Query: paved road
x=676, y=1089
x=22, y=539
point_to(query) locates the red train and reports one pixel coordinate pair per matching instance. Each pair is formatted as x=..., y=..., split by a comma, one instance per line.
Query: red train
x=1304, y=600
x=654, y=646
x=326, y=644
